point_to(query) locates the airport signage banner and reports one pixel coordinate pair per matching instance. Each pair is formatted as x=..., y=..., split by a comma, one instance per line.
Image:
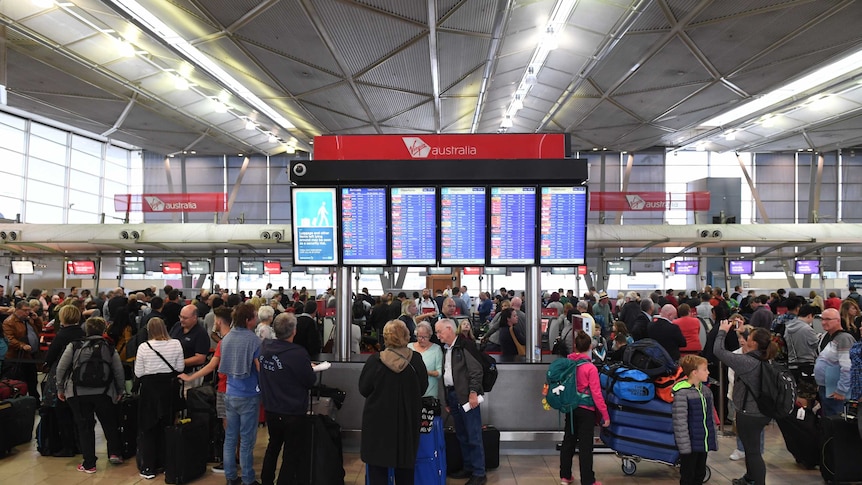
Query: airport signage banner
x=648, y=201
x=191, y=202
x=440, y=147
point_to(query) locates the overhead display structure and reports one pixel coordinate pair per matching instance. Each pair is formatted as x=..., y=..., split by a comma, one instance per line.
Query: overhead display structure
x=440, y=200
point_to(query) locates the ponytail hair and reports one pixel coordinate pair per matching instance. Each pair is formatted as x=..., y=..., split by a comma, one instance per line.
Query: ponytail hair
x=764, y=343
x=582, y=341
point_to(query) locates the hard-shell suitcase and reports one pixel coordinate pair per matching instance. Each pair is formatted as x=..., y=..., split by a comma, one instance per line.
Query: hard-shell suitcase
x=431, y=456
x=490, y=442
x=645, y=443
x=128, y=421
x=17, y=417
x=840, y=449
x=656, y=414
x=185, y=458
x=326, y=462
x=802, y=437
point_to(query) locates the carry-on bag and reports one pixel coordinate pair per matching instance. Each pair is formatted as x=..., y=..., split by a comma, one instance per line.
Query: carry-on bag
x=128, y=423
x=802, y=437
x=431, y=456
x=840, y=449
x=490, y=443
x=628, y=384
x=17, y=417
x=185, y=458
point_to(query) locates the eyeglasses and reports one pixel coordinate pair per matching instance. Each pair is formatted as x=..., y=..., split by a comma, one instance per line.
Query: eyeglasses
x=422, y=337
x=828, y=319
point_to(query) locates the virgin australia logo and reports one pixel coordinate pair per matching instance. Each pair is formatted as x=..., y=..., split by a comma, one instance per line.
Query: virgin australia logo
x=416, y=146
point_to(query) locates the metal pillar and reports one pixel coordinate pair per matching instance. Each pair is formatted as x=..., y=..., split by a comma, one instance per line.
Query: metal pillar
x=533, y=292
x=344, y=303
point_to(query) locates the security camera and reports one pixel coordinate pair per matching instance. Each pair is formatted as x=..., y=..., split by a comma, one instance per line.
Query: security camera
x=716, y=233
x=704, y=233
x=300, y=169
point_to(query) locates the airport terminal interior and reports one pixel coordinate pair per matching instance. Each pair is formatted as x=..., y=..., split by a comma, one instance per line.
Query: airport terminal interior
x=620, y=145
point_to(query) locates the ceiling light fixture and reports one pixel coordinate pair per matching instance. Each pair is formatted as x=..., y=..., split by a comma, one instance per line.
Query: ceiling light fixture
x=126, y=49
x=290, y=149
x=181, y=83
x=730, y=136
x=518, y=104
x=249, y=125
x=819, y=77
x=220, y=107
x=154, y=26
x=43, y=3
x=273, y=138
x=507, y=122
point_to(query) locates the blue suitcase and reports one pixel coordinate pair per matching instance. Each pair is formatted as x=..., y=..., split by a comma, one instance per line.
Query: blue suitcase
x=645, y=443
x=656, y=415
x=431, y=456
x=628, y=384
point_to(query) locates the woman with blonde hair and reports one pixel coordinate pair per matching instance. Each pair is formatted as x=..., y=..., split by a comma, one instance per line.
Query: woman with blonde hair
x=816, y=300
x=850, y=314
x=159, y=361
x=392, y=383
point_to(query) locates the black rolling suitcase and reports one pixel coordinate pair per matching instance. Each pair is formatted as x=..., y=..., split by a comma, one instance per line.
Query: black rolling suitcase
x=802, y=437
x=128, y=421
x=185, y=458
x=17, y=417
x=201, y=404
x=490, y=442
x=48, y=439
x=326, y=462
x=840, y=448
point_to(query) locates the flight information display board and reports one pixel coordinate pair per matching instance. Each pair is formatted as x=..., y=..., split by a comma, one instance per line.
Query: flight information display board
x=313, y=226
x=414, y=226
x=513, y=226
x=563, y=231
x=363, y=226
x=462, y=225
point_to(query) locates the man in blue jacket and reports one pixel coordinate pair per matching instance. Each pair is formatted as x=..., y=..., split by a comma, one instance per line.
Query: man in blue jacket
x=285, y=378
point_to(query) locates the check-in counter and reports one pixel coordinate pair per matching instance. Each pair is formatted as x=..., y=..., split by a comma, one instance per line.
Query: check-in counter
x=514, y=406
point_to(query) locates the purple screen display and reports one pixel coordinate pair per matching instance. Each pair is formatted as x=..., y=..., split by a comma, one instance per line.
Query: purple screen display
x=807, y=267
x=686, y=267
x=740, y=267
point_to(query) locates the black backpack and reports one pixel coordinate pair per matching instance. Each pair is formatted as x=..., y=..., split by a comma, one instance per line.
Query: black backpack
x=777, y=396
x=96, y=370
x=489, y=368
x=648, y=356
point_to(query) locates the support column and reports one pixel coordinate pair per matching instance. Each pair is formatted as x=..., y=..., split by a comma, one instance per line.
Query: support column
x=343, y=317
x=3, y=68
x=533, y=292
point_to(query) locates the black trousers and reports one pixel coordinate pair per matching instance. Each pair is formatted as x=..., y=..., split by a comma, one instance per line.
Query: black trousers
x=692, y=468
x=379, y=475
x=85, y=410
x=66, y=425
x=749, y=428
x=151, y=444
x=578, y=433
x=290, y=433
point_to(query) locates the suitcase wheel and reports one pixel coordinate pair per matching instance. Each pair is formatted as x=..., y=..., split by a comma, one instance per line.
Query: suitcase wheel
x=708, y=474
x=629, y=466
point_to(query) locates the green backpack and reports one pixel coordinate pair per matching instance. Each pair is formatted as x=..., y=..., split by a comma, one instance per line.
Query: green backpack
x=562, y=388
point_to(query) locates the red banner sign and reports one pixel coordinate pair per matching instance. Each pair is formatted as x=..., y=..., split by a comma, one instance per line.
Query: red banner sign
x=193, y=202
x=271, y=267
x=438, y=147
x=471, y=270
x=172, y=268
x=582, y=270
x=81, y=268
x=648, y=201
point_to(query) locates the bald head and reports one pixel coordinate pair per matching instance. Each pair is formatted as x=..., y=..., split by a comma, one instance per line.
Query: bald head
x=831, y=320
x=516, y=303
x=189, y=316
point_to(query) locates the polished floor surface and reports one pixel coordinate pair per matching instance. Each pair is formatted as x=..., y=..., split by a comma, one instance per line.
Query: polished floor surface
x=26, y=467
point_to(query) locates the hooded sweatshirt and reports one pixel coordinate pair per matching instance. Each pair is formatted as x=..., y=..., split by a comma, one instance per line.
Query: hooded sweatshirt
x=801, y=342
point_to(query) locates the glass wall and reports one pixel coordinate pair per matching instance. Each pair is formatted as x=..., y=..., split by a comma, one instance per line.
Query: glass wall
x=52, y=176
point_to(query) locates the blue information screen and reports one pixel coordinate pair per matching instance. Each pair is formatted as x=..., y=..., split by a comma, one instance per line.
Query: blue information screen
x=462, y=225
x=563, y=230
x=313, y=225
x=363, y=226
x=414, y=226
x=513, y=226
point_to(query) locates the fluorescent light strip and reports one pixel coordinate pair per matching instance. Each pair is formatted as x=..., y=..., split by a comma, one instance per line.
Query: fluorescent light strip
x=819, y=77
x=159, y=28
x=549, y=39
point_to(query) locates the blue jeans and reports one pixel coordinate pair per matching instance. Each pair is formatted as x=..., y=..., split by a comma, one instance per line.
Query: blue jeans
x=242, y=416
x=468, y=429
x=830, y=406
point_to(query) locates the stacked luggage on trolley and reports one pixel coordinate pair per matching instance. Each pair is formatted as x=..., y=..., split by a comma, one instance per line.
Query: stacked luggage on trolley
x=638, y=395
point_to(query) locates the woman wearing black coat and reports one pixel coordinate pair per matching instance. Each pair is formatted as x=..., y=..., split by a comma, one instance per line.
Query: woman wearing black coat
x=392, y=383
x=70, y=330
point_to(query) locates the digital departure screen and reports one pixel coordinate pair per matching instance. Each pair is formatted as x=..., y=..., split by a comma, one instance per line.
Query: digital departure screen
x=618, y=267
x=807, y=266
x=563, y=231
x=740, y=267
x=81, y=268
x=133, y=267
x=414, y=226
x=687, y=267
x=462, y=225
x=198, y=267
x=251, y=267
x=363, y=226
x=272, y=267
x=172, y=267
x=513, y=226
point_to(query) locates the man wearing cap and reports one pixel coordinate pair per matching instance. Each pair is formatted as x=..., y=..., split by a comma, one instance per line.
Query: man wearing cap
x=602, y=313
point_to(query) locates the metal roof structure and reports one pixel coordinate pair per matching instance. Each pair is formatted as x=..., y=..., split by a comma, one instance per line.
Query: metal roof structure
x=257, y=76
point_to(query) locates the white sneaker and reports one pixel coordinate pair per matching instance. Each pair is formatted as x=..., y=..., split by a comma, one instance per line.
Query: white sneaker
x=737, y=455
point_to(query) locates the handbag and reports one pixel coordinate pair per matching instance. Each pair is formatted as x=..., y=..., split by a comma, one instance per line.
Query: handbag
x=178, y=397
x=518, y=345
x=431, y=405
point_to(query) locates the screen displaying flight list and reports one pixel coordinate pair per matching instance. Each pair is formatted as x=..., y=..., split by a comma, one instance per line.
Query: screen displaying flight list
x=363, y=226
x=563, y=232
x=414, y=226
x=513, y=226
x=462, y=225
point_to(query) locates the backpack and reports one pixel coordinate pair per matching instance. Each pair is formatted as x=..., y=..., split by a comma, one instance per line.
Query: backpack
x=561, y=389
x=648, y=356
x=777, y=396
x=627, y=384
x=489, y=368
x=96, y=370
x=856, y=371
x=664, y=385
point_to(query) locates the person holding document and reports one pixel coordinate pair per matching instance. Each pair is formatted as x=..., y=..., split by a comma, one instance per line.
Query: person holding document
x=462, y=378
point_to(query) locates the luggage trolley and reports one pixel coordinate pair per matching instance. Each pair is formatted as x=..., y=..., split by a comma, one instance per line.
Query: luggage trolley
x=629, y=464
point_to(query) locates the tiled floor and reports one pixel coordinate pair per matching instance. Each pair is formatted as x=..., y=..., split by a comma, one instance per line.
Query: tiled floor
x=26, y=467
